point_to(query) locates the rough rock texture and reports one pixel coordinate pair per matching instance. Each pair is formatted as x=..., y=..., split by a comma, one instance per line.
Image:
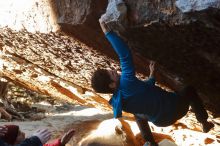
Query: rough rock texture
x=53, y=64
x=115, y=15
x=196, y=5
x=33, y=15
x=182, y=36
x=115, y=129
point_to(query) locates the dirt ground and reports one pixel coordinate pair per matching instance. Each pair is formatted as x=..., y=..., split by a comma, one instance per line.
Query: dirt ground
x=40, y=111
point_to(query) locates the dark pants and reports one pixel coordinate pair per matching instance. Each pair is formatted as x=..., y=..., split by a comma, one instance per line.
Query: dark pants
x=189, y=97
x=144, y=128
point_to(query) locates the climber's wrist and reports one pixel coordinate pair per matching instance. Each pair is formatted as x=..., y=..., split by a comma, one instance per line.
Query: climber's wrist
x=105, y=28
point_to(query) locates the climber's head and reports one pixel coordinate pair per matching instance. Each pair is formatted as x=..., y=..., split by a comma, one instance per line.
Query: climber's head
x=105, y=81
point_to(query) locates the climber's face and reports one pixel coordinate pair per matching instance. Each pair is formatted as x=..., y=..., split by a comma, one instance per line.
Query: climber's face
x=114, y=75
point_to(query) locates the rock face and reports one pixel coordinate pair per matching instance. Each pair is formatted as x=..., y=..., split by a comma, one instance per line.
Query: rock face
x=182, y=36
x=33, y=15
x=108, y=130
x=53, y=64
x=196, y=5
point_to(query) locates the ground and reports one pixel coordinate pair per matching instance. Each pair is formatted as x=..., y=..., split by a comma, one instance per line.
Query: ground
x=39, y=111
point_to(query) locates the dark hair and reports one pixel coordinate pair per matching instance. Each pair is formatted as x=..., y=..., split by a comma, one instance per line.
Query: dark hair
x=100, y=81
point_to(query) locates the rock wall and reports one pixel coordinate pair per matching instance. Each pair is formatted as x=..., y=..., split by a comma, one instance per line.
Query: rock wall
x=53, y=64
x=33, y=15
x=196, y=5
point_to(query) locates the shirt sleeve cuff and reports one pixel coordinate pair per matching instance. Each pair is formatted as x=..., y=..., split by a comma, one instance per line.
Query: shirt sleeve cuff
x=108, y=33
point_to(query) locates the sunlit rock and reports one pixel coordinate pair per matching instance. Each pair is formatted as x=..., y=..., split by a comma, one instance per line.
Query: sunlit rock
x=33, y=15
x=116, y=14
x=108, y=133
x=196, y=5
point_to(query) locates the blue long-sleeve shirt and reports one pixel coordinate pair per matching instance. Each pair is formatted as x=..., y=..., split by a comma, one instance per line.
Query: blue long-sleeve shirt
x=136, y=96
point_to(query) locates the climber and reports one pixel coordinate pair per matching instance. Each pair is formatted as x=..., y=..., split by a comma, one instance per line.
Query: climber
x=10, y=135
x=144, y=99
